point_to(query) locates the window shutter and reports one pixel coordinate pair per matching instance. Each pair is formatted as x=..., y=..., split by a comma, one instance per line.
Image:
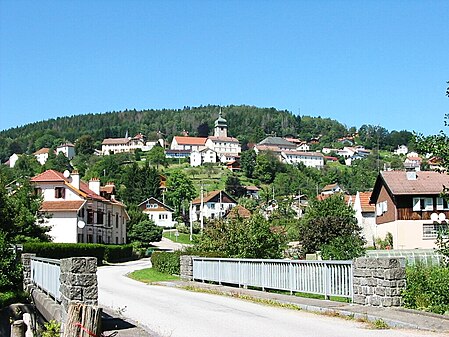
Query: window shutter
x=416, y=204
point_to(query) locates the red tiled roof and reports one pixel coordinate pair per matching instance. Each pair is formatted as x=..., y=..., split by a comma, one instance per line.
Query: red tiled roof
x=210, y=195
x=190, y=140
x=364, y=202
x=238, y=212
x=49, y=175
x=62, y=206
x=112, y=141
x=427, y=182
x=42, y=151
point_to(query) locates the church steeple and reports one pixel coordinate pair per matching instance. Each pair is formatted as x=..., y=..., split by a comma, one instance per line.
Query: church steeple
x=221, y=126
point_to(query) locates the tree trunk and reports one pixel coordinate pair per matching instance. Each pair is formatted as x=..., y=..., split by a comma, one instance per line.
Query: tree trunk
x=83, y=321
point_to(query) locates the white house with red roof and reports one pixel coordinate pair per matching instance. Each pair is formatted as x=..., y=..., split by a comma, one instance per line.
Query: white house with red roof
x=188, y=143
x=212, y=205
x=160, y=213
x=365, y=214
x=42, y=155
x=68, y=149
x=80, y=212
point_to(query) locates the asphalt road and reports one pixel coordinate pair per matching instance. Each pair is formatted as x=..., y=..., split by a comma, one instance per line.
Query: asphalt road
x=173, y=312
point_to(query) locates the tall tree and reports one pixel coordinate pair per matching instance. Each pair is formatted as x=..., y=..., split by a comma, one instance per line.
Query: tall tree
x=180, y=190
x=156, y=156
x=248, y=162
x=85, y=145
x=234, y=186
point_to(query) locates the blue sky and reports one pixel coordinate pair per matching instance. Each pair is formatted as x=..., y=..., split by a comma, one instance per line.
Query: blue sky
x=359, y=62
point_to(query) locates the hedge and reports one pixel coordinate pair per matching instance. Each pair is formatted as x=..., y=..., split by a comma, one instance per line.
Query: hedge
x=427, y=289
x=166, y=262
x=109, y=253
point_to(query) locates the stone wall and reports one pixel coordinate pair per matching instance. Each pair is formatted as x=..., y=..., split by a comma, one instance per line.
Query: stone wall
x=186, y=267
x=78, y=280
x=379, y=281
x=26, y=269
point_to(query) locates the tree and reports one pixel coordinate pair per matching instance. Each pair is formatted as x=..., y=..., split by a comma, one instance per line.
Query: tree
x=234, y=187
x=156, y=156
x=58, y=163
x=26, y=166
x=248, y=162
x=267, y=165
x=326, y=221
x=180, y=190
x=85, y=145
x=10, y=269
x=243, y=238
x=203, y=130
x=145, y=232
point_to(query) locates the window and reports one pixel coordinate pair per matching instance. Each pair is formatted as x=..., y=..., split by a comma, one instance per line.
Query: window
x=116, y=220
x=381, y=208
x=442, y=203
x=90, y=238
x=430, y=231
x=100, y=216
x=99, y=239
x=90, y=216
x=212, y=206
x=81, y=213
x=80, y=238
x=59, y=192
x=422, y=204
x=37, y=191
x=109, y=219
x=116, y=240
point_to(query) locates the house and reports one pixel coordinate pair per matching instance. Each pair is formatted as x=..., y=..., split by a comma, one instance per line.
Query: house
x=68, y=149
x=12, y=160
x=198, y=158
x=309, y=159
x=233, y=166
x=401, y=150
x=330, y=159
x=331, y=189
x=42, y=155
x=160, y=213
x=366, y=216
x=252, y=192
x=212, y=205
x=413, y=163
x=277, y=142
x=303, y=146
x=78, y=211
x=227, y=148
x=238, y=212
x=409, y=205
x=127, y=144
x=188, y=143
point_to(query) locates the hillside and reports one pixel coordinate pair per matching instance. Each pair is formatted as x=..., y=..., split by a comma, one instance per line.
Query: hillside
x=247, y=123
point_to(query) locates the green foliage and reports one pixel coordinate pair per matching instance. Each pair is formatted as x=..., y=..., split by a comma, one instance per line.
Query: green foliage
x=166, y=262
x=151, y=275
x=267, y=165
x=156, y=156
x=180, y=189
x=427, y=289
x=243, y=238
x=85, y=145
x=234, y=187
x=248, y=162
x=58, y=163
x=343, y=248
x=110, y=253
x=325, y=221
x=10, y=268
x=145, y=232
x=386, y=243
x=26, y=166
x=139, y=183
x=51, y=329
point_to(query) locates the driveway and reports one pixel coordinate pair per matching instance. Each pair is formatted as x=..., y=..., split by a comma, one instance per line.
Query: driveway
x=172, y=312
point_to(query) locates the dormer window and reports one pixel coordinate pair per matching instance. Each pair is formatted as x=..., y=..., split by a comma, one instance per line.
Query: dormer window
x=59, y=192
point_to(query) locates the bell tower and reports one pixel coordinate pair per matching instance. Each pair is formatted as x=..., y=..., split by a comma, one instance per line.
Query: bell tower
x=221, y=126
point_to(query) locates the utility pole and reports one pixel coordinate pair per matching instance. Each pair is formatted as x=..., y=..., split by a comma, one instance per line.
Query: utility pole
x=201, y=207
x=191, y=222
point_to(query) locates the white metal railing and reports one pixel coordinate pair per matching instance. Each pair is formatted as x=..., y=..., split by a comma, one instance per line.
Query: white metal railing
x=328, y=278
x=45, y=275
x=427, y=257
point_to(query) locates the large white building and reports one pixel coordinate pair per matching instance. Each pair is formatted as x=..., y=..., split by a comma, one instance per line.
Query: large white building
x=80, y=212
x=128, y=144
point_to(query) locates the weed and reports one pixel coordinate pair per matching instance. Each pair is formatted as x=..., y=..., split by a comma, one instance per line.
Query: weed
x=379, y=324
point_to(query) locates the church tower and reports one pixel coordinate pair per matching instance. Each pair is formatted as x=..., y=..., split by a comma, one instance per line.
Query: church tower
x=221, y=127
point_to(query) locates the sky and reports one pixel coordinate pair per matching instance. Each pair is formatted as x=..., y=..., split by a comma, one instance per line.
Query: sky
x=360, y=62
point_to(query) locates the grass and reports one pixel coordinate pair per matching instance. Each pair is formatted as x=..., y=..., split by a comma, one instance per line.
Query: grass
x=10, y=297
x=150, y=275
x=182, y=238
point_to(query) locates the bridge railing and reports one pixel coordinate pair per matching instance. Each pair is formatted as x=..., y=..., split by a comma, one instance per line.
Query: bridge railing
x=45, y=275
x=328, y=278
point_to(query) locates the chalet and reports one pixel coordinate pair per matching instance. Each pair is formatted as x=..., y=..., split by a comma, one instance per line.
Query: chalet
x=252, y=192
x=238, y=212
x=160, y=213
x=412, y=163
x=410, y=206
x=331, y=189
x=80, y=212
x=213, y=205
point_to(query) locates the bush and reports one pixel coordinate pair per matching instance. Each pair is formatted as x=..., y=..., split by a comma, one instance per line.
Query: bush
x=166, y=262
x=10, y=267
x=110, y=253
x=427, y=289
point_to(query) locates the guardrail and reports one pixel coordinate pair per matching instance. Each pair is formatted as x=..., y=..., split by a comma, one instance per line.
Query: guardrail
x=45, y=275
x=427, y=257
x=328, y=278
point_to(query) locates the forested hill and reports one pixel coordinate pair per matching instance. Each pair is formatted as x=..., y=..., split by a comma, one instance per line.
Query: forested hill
x=247, y=123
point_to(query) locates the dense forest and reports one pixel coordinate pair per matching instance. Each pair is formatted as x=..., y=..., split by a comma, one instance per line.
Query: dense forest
x=247, y=123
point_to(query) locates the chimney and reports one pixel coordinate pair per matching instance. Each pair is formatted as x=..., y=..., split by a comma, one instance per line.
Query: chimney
x=94, y=185
x=75, y=179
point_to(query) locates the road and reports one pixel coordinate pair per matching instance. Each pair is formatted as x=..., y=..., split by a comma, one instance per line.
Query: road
x=173, y=312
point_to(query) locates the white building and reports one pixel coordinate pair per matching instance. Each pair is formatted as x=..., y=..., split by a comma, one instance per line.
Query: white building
x=128, y=144
x=309, y=159
x=160, y=213
x=42, y=155
x=80, y=212
x=365, y=214
x=188, y=143
x=198, y=158
x=304, y=147
x=401, y=150
x=12, y=160
x=68, y=149
x=227, y=148
x=213, y=205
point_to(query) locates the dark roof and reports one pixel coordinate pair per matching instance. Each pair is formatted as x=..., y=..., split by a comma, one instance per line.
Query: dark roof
x=211, y=195
x=277, y=141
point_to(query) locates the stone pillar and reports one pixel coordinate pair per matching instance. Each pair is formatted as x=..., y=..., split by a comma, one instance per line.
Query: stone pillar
x=78, y=280
x=26, y=269
x=379, y=281
x=186, y=267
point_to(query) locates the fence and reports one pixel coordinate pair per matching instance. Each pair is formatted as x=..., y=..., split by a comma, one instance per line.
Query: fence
x=45, y=275
x=428, y=257
x=328, y=278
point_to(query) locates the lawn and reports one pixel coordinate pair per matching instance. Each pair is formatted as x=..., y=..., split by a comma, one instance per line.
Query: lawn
x=150, y=275
x=182, y=238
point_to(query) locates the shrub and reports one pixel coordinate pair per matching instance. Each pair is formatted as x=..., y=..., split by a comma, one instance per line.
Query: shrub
x=53, y=250
x=166, y=262
x=427, y=289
